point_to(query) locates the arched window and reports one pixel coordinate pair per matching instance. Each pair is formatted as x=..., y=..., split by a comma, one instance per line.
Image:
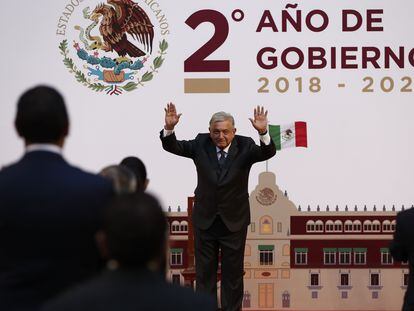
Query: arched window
x=184, y=226
x=386, y=226
x=319, y=226
x=310, y=226
x=367, y=226
x=376, y=226
x=266, y=225
x=285, y=299
x=338, y=226
x=348, y=226
x=246, y=299
x=329, y=226
x=357, y=226
x=175, y=226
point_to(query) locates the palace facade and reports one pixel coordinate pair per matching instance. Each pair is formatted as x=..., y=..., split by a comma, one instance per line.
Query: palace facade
x=305, y=260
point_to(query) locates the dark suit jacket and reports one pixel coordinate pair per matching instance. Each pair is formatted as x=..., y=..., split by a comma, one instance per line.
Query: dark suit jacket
x=49, y=212
x=130, y=290
x=402, y=249
x=225, y=192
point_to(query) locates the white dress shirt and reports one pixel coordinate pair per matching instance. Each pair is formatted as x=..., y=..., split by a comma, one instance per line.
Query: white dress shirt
x=44, y=147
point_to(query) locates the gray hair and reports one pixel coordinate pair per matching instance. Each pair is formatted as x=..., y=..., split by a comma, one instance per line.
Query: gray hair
x=221, y=116
x=122, y=178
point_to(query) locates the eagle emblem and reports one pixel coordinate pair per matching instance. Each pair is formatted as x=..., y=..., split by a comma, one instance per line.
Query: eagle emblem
x=287, y=134
x=114, y=45
x=266, y=196
x=122, y=18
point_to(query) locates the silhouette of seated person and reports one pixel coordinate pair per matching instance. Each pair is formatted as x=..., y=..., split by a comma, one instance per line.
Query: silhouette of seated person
x=133, y=239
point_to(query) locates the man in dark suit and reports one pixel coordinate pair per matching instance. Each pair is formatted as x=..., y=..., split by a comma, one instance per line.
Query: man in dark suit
x=49, y=210
x=221, y=209
x=402, y=249
x=134, y=239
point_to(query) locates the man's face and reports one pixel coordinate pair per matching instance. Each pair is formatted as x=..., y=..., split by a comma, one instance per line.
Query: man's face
x=222, y=133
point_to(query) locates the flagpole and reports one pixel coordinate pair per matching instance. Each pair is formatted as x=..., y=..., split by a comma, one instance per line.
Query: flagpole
x=267, y=166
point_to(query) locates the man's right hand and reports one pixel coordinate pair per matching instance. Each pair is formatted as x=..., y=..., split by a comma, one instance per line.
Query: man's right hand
x=171, y=117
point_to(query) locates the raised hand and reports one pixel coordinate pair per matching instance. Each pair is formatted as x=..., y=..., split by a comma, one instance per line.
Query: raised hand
x=260, y=120
x=171, y=117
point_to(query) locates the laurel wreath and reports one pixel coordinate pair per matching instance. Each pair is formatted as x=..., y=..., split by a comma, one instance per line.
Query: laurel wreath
x=99, y=87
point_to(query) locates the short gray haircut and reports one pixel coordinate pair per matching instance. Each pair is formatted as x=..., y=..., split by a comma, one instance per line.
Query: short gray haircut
x=221, y=116
x=122, y=178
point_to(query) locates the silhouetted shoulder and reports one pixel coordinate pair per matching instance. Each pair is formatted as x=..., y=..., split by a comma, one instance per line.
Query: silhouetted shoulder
x=405, y=216
x=91, y=178
x=118, y=291
x=185, y=299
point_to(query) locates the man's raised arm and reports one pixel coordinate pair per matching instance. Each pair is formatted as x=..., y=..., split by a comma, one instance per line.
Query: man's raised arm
x=171, y=119
x=260, y=123
x=167, y=135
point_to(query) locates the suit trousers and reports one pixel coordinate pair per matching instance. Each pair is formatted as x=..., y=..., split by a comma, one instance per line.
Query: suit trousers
x=207, y=245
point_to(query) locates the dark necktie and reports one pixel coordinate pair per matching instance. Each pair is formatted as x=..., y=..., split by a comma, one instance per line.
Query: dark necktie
x=222, y=158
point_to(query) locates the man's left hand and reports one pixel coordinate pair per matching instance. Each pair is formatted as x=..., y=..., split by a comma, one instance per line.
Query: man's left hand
x=260, y=120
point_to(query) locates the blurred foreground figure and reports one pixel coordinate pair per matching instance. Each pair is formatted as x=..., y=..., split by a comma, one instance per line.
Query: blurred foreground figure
x=122, y=178
x=402, y=249
x=133, y=239
x=49, y=210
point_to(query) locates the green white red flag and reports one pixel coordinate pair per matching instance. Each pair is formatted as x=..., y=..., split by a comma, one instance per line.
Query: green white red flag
x=289, y=135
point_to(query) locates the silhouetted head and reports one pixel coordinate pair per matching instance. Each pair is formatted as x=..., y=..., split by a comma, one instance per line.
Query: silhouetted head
x=139, y=170
x=42, y=116
x=135, y=231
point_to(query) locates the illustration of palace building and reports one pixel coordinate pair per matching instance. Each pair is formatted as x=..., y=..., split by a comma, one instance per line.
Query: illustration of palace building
x=305, y=260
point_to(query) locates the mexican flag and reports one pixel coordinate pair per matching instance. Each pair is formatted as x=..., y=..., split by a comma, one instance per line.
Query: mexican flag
x=290, y=135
